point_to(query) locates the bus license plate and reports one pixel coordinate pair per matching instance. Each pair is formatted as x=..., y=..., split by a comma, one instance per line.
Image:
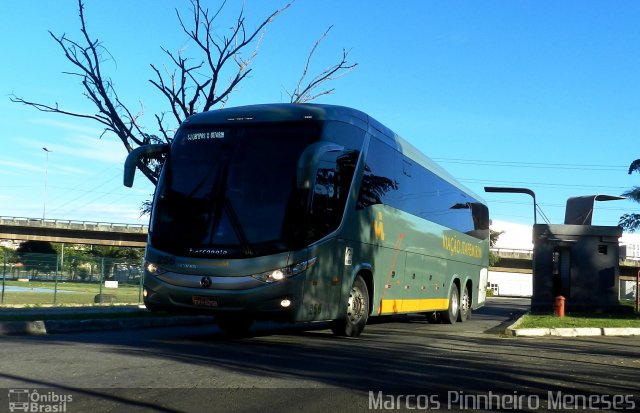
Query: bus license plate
x=203, y=301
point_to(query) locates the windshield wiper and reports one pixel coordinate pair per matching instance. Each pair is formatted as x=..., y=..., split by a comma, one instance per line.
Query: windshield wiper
x=216, y=165
x=237, y=227
x=223, y=205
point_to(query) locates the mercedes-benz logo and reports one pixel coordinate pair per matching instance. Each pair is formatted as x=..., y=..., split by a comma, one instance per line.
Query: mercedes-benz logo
x=205, y=282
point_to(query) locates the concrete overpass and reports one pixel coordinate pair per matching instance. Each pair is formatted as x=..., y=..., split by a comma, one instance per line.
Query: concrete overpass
x=73, y=232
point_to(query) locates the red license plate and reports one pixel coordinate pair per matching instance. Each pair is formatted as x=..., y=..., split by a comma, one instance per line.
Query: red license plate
x=204, y=301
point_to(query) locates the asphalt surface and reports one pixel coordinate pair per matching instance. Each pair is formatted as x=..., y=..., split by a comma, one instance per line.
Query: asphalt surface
x=306, y=368
x=57, y=320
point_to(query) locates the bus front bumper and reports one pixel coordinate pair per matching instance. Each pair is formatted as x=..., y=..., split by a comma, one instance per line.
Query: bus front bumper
x=279, y=300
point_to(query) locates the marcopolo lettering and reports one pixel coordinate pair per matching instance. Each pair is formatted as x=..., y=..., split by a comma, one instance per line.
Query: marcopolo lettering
x=208, y=251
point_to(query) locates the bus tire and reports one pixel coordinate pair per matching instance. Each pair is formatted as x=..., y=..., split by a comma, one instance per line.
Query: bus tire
x=464, y=312
x=450, y=316
x=357, y=311
x=233, y=325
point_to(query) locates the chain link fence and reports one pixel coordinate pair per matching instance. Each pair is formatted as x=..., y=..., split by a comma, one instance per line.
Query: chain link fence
x=52, y=279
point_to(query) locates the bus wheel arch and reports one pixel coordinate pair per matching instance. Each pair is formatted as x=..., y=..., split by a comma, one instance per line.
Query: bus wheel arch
x=367, y=277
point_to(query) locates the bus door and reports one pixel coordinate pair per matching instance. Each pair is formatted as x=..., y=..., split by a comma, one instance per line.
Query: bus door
x=389, y=256
x=329, y=193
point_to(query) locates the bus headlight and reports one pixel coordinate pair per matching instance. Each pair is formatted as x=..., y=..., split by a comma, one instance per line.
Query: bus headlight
x=286, y=272
x=153, y=268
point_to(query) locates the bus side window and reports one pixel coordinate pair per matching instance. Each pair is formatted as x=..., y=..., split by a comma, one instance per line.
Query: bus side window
x=379, y=183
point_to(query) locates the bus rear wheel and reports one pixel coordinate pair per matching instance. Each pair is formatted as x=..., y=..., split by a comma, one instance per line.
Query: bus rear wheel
x=465, y=306
x=357, y=311
x=450, y=316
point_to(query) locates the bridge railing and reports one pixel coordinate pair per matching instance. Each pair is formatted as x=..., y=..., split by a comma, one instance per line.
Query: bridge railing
x=73, y=224
x=513, y=253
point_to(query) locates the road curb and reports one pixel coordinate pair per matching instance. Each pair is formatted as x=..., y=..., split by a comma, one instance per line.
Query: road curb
x=44, y=327
x=33, y=328
x=514, y=331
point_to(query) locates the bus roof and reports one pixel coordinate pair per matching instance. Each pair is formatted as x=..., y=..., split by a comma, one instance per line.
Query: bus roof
x=277, y=112
x=281, y=112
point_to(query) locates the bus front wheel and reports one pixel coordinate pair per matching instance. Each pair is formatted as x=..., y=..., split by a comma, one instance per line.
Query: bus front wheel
x=357, y=311
x=450, y=316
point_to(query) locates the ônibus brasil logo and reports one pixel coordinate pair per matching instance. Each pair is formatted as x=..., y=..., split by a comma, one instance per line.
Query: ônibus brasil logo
x=34, y=400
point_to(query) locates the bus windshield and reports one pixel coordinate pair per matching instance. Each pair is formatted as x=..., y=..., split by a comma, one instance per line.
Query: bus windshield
x=231, y=191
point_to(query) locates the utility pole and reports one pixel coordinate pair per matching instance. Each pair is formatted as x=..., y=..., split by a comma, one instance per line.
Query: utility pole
x=46, y=171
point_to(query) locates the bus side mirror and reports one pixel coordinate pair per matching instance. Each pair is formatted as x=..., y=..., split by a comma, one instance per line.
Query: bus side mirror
x=137, y=154
x=308, y=162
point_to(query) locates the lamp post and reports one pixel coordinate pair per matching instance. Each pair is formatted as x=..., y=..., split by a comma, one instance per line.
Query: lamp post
x=46, y=170
x=517, y=191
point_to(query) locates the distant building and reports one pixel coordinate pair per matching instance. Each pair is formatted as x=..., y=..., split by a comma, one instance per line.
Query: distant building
x=631, y=246
x=11, y=244
x=514, y=236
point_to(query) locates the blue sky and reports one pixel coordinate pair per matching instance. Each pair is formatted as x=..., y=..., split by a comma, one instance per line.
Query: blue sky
x=538, y=94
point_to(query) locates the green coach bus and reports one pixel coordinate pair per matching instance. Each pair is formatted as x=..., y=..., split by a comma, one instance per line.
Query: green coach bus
x=306, y=212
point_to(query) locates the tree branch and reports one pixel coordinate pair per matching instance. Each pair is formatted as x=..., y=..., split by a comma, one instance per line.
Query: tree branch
x=303, y=94
x=206, y=90
x=189, y=85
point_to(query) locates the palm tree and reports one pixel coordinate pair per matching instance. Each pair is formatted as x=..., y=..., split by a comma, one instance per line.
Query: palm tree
x=631, y=222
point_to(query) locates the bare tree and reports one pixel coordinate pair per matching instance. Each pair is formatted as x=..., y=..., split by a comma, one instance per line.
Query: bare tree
x=306, y=93
x=189, y=86
x=197, y=87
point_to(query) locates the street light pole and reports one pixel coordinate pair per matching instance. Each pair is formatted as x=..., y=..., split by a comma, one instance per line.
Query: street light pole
x=517, y=191
x=46, y=170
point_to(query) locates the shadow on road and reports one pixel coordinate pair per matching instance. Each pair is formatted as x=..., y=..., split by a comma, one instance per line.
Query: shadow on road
x=403, y=355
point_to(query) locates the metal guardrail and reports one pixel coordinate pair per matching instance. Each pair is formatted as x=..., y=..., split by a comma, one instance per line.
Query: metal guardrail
x=512, y=253
x=73, y=225
x=522, y=254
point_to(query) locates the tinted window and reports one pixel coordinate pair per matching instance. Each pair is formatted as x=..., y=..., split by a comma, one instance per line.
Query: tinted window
x=393, y=179
x=330, y=192
x=231, y=188
x=344, y=134
x=379, y=185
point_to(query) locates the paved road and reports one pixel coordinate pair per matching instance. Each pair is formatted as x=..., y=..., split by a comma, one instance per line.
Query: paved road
x=198, y=369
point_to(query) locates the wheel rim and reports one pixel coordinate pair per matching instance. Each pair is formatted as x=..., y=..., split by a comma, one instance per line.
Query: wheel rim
x=455, y=304
x=465, y=304
x=356, y=305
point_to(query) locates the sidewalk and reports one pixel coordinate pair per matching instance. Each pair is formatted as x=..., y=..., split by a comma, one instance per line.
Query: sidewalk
x=514, y=331
x=52, y=320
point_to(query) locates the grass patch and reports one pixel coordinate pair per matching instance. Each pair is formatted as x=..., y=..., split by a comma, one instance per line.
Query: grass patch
x=67, y=293
x=581, y=320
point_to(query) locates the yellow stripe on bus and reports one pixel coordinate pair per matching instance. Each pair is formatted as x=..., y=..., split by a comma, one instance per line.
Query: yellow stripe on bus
x=413, y=306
